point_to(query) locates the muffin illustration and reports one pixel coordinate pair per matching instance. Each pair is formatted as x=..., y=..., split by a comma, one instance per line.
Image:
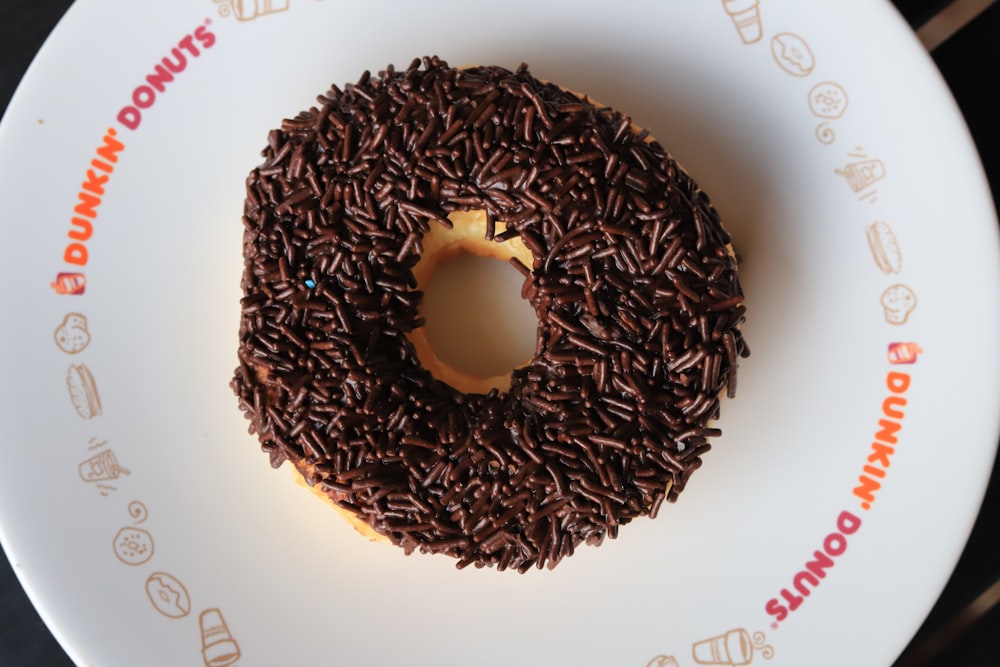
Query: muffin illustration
x=898, y=302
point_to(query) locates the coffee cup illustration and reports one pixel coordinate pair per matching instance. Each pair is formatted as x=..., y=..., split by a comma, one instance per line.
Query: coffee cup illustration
x=746, y=17
x=217, y=644
x=904, y=353
x=70, y=283
x=861, y=174
x=735, y=647
x=102, y=467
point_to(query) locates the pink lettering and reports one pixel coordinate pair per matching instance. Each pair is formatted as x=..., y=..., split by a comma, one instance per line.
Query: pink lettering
x=175, y=67
x=130, y=117
x=188, y=44
x=205, y=36
x=144, y=97
x=160, y=78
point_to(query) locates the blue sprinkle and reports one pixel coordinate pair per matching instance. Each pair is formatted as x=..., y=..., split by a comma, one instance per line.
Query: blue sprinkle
x=310, y=283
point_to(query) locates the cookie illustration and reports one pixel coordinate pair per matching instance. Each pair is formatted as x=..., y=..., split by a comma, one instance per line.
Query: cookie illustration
x=72, y=335
x=898, y=302
x=133, y=546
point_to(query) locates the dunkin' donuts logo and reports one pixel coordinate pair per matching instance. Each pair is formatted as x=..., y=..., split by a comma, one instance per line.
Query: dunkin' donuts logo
x=101, y=167
x=861, y=175
x=99, y=468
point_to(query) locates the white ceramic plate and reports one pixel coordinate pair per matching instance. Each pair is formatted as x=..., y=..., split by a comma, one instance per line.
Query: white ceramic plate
x=139, y=530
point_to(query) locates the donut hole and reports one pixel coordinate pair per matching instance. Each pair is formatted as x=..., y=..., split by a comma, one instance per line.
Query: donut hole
x=478, y=328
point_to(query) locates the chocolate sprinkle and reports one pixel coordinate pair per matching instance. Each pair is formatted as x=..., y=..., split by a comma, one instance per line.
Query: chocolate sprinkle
x=633, y=284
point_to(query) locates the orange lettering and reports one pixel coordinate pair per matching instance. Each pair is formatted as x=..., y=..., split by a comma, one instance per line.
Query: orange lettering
x=86, y=229
x=76, y=253
x=94, y=183
x=880, y=454
x=887, y=431
x=88, y=205
x=866, y=491
x=891, y=407
x=897, y=382
x=112, y=147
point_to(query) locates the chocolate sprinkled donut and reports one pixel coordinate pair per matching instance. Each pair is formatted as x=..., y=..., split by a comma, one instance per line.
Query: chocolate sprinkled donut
x=633, y=283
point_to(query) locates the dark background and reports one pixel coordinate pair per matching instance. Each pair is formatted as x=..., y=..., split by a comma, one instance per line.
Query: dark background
x=964, y=626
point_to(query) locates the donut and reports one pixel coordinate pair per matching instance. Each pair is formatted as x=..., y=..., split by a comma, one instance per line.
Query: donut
x=626, y=264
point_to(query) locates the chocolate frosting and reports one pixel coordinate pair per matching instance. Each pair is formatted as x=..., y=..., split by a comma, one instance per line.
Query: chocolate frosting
x=633, y=284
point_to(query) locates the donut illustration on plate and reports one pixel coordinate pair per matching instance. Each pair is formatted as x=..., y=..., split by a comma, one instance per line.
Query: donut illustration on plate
x=133, y=546
x=168, y=595
x=792, y=54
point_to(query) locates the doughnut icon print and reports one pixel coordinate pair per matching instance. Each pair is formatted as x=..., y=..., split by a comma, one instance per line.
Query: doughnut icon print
x=827, y=100
x=793, y=54
x=168, y=595
x=134, y=545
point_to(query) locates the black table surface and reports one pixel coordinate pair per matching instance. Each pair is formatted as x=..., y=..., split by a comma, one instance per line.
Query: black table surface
x=964, y=626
